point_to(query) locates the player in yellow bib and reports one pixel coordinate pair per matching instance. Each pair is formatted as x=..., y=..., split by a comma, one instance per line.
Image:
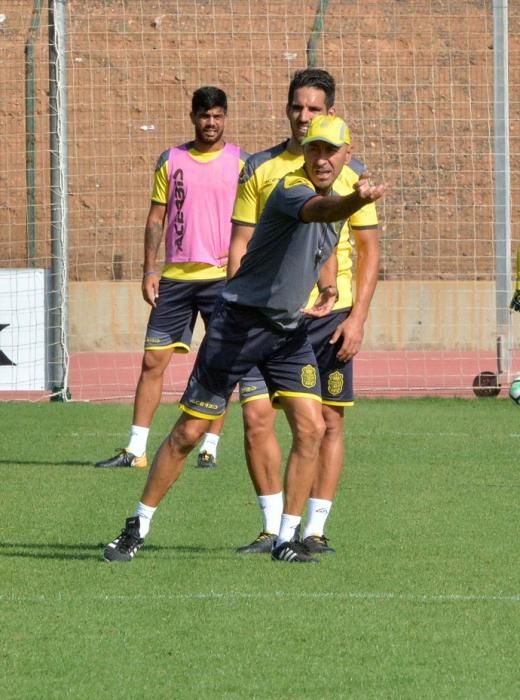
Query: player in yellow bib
x=336, y=338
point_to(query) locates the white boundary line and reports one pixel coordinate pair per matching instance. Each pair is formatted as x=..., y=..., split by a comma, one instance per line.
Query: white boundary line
x=237, y=595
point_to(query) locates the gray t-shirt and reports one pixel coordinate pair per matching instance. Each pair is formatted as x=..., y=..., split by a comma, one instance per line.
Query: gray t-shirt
x=284, y=255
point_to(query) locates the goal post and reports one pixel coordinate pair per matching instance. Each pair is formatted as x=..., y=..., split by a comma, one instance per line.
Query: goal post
x=58, y=298
x=502, y=190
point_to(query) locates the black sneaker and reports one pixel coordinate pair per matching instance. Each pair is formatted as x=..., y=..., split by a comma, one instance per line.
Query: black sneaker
x=318, y=544
x=206, y=461
x=124, y=547
x=263, y=544
x=124, y=458
x=293, y=552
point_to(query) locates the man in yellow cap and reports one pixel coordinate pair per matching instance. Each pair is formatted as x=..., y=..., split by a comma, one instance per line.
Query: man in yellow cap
x=259, y=321
x=311, y=93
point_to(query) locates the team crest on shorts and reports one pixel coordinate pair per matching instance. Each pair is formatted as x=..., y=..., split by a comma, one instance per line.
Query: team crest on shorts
x=335, y=383
x=308, y=376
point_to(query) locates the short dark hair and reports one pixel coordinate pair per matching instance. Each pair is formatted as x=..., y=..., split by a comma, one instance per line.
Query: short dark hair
x=316, y=78
x=208, y=97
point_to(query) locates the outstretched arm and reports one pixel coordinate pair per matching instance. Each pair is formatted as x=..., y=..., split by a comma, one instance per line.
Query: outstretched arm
x=334, y=208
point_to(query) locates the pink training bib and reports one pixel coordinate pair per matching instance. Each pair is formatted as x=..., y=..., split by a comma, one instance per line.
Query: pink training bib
x=200, y=202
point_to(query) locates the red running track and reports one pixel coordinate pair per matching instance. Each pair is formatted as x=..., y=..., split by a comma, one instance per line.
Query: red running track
x=108, y=376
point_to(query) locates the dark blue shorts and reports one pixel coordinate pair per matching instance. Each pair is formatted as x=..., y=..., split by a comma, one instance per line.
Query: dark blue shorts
x=252, y=386
x=237, y=339
x=336, y=377
x=172, y=321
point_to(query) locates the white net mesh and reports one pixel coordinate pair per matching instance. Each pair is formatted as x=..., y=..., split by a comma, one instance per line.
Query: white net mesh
x=415, y=82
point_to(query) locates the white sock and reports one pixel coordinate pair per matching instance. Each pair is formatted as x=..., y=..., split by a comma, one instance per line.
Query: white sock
x=209, y=444
x=318, y=510
x=288, y=525
x=272, y=509
x=138, y=440
x=145, y=514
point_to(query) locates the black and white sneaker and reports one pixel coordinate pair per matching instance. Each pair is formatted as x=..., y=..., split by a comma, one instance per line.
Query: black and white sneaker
x=125, y=547
x=293, y=552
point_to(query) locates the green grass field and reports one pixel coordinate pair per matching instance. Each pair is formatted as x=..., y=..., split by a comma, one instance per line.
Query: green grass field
x=421, y=600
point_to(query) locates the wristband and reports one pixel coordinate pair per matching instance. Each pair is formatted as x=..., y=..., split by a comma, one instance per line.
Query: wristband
x=150, y=272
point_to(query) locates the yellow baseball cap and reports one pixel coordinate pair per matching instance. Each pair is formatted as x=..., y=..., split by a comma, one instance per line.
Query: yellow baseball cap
x=326, y=128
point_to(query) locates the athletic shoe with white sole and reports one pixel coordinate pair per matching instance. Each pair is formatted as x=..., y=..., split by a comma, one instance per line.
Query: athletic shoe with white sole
x=205, y=460
x=293, y=552
x=125, y=547
x=318, y=544
x=124, y=458
x=263, y=544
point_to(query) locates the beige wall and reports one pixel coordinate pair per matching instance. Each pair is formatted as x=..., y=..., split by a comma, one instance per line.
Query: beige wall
x=112, y=316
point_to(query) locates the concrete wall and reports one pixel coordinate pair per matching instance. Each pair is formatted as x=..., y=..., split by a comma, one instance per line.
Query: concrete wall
x=112, y=316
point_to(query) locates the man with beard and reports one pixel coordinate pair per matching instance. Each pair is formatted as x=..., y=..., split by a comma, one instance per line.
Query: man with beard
x=192, y=198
